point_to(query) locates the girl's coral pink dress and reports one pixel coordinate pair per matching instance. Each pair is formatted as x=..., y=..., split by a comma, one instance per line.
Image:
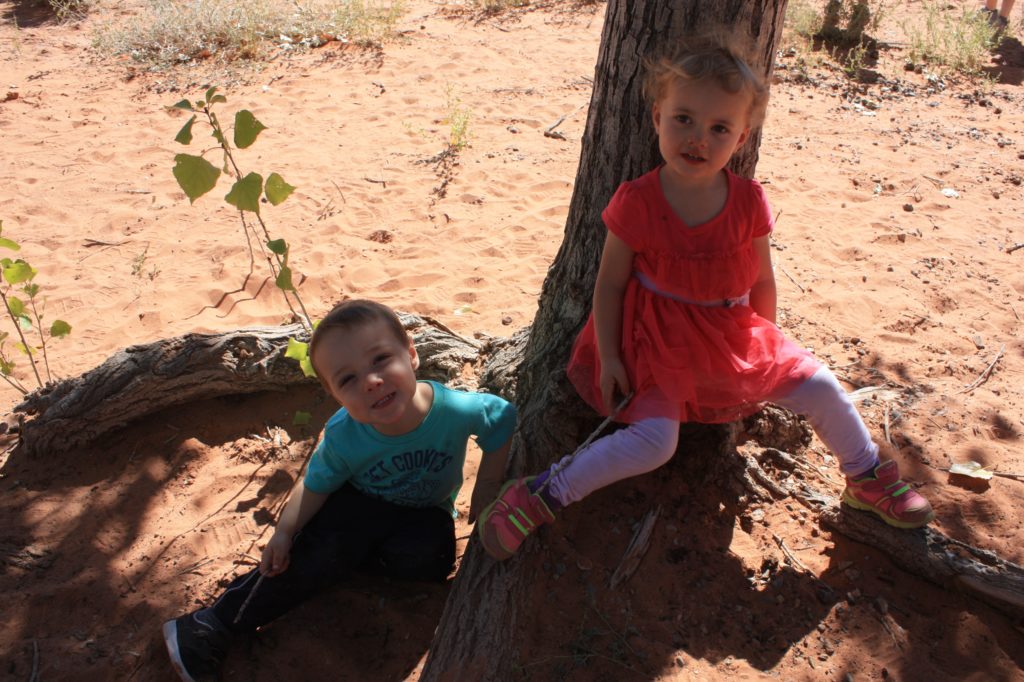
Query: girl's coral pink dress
x=688, y=354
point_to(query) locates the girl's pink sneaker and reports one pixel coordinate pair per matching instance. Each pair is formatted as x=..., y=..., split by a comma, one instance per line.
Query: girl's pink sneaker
x=511, y=518
x=887, y=495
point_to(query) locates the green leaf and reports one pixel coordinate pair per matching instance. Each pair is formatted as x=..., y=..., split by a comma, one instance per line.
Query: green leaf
x=31, y=290
x=183, y=104
x=24, y=321
x=306, y=365
x=301, y=418
x=22, y=348
x=210, y=93
x=296, y=349
x=184, y=135
x=277, y=189
x=219, y=136
x=59, y=329
x=218, y=98
x=278, y=246
x=284, y=279
x=245, y=193
x=13, y=245
x=195, y=175
x=247, y=128
x=18, y=271
x=16, y=305
x=6, y=368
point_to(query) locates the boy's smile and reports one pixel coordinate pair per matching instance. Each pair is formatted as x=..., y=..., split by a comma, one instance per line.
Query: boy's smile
x=372, y=374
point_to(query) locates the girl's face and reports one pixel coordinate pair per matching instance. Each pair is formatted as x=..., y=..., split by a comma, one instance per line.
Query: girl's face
x=372, y=374
x=699, y=127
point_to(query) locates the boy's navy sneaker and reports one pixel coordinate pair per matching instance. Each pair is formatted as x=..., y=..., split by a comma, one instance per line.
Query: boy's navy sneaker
x=197, y=643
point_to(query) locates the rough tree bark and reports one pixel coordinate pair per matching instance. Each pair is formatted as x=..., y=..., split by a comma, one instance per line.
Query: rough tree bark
x=476, y=638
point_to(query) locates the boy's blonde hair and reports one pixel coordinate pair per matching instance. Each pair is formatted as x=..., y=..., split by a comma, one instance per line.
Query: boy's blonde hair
x=712, y=57
x=351, y=314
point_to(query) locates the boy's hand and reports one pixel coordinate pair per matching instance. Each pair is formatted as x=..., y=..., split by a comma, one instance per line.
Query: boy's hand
x=276, y=554
x=484, y=493
x=613, y=375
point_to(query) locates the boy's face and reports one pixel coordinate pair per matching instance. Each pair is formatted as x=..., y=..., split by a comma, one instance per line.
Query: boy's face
x=699, y=126
x=372, y=374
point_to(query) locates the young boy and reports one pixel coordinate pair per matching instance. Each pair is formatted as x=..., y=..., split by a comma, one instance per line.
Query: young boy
x=380, y=488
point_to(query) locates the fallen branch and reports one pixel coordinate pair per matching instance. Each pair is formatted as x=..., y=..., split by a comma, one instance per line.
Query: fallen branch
x=1015, y=247
x=924, y=552
x=927, y=553
x=144, y=379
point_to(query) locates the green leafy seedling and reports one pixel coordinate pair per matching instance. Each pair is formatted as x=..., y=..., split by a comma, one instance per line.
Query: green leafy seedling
x=197, y=176
x=21, y=300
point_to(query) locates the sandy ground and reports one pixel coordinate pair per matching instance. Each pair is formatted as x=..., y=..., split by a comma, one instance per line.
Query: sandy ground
x=899, y=206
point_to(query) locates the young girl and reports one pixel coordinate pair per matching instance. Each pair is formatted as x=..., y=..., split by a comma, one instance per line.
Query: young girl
x=684, y=314
x=380, y=487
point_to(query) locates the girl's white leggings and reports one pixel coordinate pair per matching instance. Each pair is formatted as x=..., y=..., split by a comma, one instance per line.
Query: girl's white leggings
x=649, y=443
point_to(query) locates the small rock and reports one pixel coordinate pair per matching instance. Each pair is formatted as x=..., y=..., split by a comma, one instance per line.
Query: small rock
x=852, y=596
x=909, y=208
x=506, y=320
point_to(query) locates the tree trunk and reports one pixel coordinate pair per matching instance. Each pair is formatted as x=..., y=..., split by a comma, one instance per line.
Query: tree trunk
x=476, y=638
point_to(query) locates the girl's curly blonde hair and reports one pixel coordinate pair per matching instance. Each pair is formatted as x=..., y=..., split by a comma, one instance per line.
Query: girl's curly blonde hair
x=712, y=57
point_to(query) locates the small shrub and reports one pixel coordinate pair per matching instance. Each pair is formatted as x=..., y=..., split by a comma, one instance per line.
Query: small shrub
x=959, y=39
x=458, y=119
x=69, y=10
x=802, y=19
x=174, y=31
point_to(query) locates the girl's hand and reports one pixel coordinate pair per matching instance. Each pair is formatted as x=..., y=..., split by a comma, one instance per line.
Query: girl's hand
x=276, y=554
x=613, y=376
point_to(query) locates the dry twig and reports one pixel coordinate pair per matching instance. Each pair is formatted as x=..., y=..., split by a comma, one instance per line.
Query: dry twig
x=986, y=374
x=550, y=130
x=789, y=555
x=637, y=548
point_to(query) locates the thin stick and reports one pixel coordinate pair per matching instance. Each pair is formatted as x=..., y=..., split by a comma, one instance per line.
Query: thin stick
x=789, y=555
x=195, y=566
x=248, y=599
x=35, y=662
x=888, y=438
x=550, y=130
x=593, y=434
x=1015, y=247
x=986, y=374
x=802, y=290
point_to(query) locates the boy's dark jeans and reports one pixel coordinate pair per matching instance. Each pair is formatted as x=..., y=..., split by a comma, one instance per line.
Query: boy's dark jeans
x=350, y=531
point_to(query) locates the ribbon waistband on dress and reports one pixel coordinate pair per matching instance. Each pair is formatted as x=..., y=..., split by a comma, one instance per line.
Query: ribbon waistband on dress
x=646, y=283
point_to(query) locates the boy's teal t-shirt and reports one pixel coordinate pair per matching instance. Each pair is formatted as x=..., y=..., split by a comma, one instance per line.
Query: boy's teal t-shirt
x=422, y=468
